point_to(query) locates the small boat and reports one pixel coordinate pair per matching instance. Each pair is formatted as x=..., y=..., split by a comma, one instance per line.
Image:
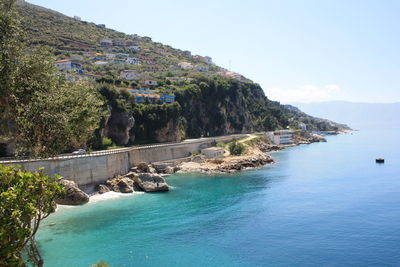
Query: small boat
x=380, y=160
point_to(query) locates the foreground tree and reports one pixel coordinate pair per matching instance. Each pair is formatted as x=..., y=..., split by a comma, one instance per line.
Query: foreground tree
x=25, y=200
x=39, y=109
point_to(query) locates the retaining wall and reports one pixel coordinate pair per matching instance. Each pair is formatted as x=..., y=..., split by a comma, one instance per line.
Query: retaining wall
x=97, y=167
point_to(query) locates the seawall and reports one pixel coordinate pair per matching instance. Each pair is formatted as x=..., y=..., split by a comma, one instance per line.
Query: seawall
x=93, y=168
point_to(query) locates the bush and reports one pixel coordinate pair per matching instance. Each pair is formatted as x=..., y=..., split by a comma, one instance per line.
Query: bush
x=236, y=148
x=221, y=144
x=106, y=142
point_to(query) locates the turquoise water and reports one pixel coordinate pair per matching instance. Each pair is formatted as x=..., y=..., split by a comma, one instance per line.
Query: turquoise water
x=325, y=204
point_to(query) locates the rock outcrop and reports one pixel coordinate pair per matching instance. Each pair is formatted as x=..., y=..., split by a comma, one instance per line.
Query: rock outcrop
x=121, y=184
x=118, y=126
x=73, y=195
x=150, y=182
x=101, y=188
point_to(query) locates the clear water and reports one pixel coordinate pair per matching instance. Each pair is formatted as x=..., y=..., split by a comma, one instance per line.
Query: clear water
x=325, y=204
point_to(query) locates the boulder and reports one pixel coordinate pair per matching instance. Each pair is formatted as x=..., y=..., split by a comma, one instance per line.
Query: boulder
x=169, y=170
x=101, y=188
x=125, y=185
x=150, y=182
x=73, y=195
x=121, y=184
x=143, y=167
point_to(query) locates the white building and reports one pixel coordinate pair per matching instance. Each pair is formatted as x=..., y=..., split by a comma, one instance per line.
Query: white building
x=133, y=61
x=282, y=137
x=77, y=18
x=185, y=65
x=129, y=74
x=66, y=64
x=134, y=48
x=213, y=152
x=303, y=126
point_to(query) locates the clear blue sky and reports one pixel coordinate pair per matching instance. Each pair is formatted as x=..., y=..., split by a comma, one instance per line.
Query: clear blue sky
x=308, y=50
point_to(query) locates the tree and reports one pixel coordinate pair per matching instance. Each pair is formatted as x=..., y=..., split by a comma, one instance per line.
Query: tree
x=46, y=113
x=25, y=200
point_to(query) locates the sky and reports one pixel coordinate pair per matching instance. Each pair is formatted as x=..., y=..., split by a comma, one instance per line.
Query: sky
x=298, y=51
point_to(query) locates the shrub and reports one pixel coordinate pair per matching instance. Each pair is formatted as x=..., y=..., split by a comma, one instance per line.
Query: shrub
x=236, y=148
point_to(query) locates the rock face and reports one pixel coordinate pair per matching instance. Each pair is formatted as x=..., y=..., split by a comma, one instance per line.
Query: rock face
x=150, y=182
x=121, y=184
x=118, y=126
x=73, y=195
x=103, y=189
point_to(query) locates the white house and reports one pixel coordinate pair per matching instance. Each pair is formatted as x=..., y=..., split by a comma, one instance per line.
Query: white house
x=303, y=126
x=134, y=48
x=129, y=74
x=185, y=65
x=133, y=61
x=67, y=64
x=213, y=152
x=282, y=137
x=77, y=18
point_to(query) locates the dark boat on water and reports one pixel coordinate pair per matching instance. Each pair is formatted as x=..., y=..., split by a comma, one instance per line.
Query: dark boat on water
x=380, y=160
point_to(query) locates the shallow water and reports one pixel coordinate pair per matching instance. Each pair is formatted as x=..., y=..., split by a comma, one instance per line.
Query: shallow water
x=322, y=204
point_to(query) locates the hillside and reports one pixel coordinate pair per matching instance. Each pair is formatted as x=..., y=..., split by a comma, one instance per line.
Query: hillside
x=156, y=93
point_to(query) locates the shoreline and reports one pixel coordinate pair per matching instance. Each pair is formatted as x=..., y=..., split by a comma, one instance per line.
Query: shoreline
x=149, y=178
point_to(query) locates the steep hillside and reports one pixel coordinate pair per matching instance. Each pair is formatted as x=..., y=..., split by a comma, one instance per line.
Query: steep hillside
x=133, y=73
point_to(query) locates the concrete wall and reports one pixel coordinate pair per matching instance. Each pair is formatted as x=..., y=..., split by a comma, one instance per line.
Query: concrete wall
x=94, y=168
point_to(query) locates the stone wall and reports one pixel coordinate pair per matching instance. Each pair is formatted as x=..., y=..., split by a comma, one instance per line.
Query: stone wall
x=94, y=168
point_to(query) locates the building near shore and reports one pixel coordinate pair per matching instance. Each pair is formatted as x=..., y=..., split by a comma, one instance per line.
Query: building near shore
x=213, y=152
x=282, y=137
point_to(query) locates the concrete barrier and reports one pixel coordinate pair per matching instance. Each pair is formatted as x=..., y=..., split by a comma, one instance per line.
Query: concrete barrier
x=97, y=167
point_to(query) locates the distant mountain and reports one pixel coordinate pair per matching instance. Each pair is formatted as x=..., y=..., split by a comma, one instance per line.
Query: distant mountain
x=356, y=115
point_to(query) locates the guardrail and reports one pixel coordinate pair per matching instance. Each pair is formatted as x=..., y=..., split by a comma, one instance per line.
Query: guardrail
x=120, y=150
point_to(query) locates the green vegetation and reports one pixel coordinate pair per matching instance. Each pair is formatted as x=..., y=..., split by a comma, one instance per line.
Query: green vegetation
x=236, y=148
x=44, y=113
x=26, y=199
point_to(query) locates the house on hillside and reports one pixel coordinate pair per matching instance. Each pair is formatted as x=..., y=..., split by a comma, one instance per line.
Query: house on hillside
x=106, y=42
x=67, y=64
x=133, y=61
x=101, y=26
x=202, y=68
x=147, y=60
x=134, y=48
x=119, y=42
x=185, y=65
x=77, y=18
x=129, y=74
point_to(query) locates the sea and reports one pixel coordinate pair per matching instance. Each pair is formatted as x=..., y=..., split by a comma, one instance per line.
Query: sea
x=323, y=204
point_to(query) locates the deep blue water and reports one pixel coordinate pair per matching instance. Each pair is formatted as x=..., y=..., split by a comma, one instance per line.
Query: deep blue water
x=324, y=204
